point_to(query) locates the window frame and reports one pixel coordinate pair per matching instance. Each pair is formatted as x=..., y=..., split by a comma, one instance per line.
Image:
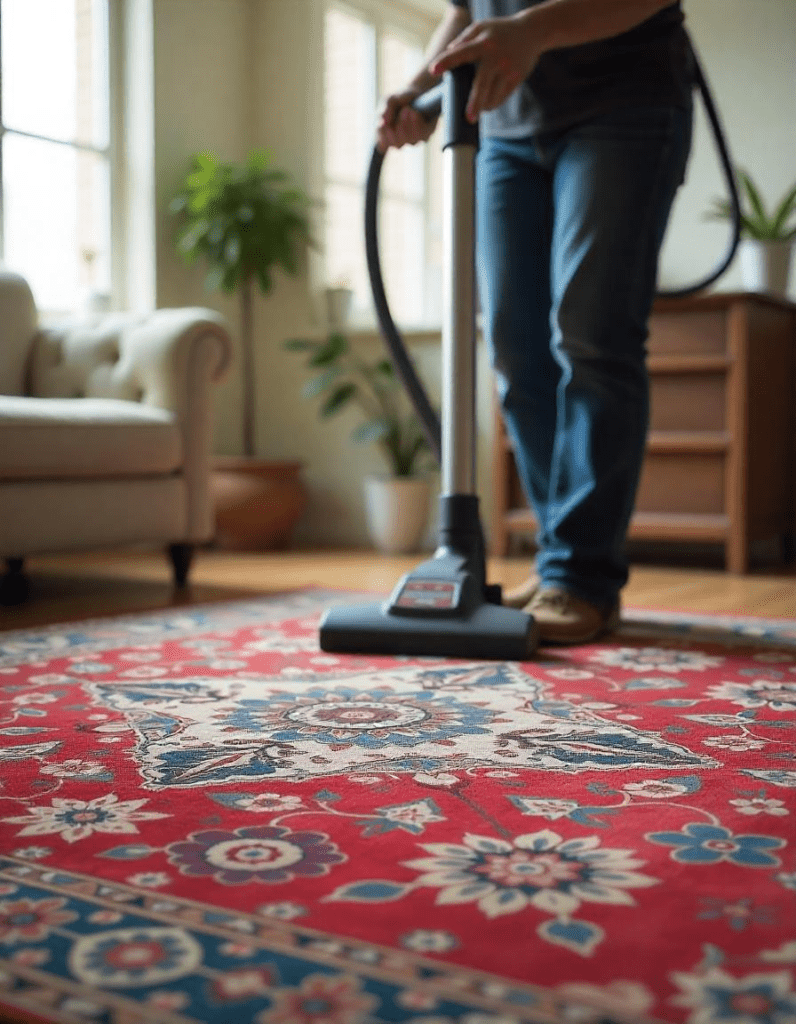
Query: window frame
x=110, y=153
x=416, y=27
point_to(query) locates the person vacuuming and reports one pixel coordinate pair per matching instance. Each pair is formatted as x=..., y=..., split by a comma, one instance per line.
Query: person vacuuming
x=574, y=189
x=585, y=115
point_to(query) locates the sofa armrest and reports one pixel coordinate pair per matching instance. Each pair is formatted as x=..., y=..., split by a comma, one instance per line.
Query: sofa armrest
x=168, y=358
x=18, y=323
x=133, y=357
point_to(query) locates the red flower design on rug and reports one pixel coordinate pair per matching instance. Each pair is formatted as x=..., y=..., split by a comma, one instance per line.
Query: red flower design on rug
x=270, y=855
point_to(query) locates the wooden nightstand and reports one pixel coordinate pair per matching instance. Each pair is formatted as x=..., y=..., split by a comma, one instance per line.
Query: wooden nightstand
x=721, y=449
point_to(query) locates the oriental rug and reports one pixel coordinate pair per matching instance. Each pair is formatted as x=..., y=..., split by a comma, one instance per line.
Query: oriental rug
x=205, y=819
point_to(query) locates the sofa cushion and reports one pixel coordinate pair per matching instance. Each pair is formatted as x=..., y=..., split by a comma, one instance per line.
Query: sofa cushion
x=68, y=438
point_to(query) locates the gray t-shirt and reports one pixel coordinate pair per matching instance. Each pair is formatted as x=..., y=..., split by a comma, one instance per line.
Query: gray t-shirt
x=648, y=65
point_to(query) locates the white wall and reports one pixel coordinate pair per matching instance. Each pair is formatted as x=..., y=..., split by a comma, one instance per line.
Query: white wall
x=234, y=74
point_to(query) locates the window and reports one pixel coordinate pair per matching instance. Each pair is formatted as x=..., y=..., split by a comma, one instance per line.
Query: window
x=55, y=148
x=367, y=55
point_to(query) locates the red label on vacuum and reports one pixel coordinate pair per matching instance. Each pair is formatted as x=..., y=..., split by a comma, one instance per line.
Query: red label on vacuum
x=427, y=594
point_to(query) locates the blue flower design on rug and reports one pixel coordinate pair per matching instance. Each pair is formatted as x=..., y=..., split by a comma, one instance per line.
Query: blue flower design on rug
x=706, y=844
x=135, y=957
x=717, y=997
x=376, y=719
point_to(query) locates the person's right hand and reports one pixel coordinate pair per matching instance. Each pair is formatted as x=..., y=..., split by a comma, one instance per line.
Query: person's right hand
x=400, y=124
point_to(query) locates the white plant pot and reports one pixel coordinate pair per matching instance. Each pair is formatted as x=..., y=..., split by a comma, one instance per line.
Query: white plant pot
x=338, y=306
x=397, y=512
x=765, y=266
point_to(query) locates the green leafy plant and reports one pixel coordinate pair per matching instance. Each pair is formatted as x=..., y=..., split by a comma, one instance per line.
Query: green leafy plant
x=342, y=378
x=243, y=221
x=778, y=225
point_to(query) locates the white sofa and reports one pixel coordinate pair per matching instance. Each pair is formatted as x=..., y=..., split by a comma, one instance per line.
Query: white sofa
x=105, y=431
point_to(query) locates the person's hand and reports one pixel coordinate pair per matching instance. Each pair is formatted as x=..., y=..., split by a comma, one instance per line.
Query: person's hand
x=504, y=54
x=400, y=124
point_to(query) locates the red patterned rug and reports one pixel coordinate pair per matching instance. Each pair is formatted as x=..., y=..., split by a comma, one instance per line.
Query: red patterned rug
x=205, y=819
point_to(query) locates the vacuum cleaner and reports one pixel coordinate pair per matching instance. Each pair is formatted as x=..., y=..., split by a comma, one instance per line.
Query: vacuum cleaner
x=445, y=607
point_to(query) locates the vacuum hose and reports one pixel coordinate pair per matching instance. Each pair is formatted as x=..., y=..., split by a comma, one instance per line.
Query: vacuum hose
x=729, y=176
x=430, y=105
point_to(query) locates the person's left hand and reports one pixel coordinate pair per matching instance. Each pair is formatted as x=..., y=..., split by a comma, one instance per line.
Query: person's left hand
x=504, y=54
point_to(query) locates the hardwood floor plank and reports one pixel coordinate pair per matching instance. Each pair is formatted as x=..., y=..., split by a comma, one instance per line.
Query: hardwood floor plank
x=74, y=587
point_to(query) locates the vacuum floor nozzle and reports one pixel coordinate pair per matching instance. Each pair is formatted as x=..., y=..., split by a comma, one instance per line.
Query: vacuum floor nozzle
x=443, y=607
x=488, y=631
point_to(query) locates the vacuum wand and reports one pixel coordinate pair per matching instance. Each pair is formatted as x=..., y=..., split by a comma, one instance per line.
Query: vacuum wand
x=460, y=146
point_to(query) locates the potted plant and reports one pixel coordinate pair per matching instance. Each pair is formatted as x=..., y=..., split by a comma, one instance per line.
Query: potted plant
x=396, y=504
x=766, y=237
x=244, y=221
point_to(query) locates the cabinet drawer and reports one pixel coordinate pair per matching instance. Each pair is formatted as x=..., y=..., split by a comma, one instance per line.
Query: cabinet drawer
x=682, y=484
x=688, y=402
x=698, y=332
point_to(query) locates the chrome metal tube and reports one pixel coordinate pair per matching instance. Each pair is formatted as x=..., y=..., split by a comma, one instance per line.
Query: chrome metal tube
x=458, y=325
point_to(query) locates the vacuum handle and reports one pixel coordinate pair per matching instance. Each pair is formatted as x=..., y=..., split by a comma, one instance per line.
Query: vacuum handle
x=429, y=104
x=450, y=98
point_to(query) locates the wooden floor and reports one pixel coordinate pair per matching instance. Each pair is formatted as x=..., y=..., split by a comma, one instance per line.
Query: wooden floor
x=75, y=587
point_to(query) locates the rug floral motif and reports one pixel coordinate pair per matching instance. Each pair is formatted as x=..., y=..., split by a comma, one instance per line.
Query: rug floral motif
x=204, y=818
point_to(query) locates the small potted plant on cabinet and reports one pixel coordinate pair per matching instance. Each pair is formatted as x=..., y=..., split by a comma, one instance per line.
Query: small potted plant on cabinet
x=396, y=503
x=244, y=221
x=339, y=296
x=767, y=237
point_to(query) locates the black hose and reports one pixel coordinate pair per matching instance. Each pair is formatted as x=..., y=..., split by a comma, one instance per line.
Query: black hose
x=429, y=104
x=401, y=360
x=732, y=188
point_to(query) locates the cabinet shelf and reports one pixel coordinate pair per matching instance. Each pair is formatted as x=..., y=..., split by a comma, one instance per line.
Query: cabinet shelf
x=675, y=442
x=647, y=526
x=687, y=364
x=662, y=442
x=670, y=526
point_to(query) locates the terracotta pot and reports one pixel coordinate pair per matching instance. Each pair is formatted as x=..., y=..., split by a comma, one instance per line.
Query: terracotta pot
x=257, y=503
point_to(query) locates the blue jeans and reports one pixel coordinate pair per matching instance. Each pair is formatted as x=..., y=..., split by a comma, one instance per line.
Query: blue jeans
x=569, y=228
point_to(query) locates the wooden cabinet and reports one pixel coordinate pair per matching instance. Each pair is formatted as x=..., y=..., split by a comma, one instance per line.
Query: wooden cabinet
x=721, y=449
